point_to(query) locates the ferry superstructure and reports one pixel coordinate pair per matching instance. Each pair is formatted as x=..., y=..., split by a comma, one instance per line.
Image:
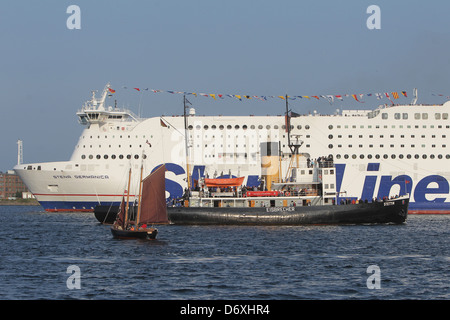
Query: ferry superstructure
x=377, y=153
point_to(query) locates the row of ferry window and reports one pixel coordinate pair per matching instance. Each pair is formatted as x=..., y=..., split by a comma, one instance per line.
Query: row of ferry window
x=417, y=116
x=121, y=136
x=386, y=127
x=113, y=156
x=330, y=146
x=299, y=127
x=393, y=156
x=330, y=136
x=244, y=127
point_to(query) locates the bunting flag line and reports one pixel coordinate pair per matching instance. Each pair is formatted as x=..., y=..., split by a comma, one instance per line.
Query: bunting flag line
x=330, y=98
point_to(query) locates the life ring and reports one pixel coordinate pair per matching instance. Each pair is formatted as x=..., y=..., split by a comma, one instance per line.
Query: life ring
x=288, y=194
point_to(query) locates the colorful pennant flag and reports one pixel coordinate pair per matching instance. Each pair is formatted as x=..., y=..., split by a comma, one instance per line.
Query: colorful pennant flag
x=387, y=96
x=355, y=97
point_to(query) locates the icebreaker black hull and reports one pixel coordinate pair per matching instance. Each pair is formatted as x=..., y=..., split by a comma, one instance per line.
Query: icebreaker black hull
x=391, y=211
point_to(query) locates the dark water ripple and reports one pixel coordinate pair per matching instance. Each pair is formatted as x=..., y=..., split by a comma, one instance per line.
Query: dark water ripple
x=216, y=262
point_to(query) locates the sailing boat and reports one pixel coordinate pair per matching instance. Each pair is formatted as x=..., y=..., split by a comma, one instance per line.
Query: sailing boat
x=151, y=208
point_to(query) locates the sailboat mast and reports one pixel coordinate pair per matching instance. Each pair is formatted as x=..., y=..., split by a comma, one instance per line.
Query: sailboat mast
x=187, y=143
x=128, y=197
x=139, y=197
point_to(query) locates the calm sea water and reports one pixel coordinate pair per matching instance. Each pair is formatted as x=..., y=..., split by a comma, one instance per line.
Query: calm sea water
x=217, y=262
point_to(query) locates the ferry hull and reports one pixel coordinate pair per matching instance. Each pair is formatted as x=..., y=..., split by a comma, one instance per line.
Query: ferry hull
x=84, y=196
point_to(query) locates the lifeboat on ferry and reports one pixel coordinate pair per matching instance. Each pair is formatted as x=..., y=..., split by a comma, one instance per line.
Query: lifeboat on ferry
x=227, y=182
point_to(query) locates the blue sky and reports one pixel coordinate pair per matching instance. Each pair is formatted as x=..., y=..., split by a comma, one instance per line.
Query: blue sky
x=211, y=46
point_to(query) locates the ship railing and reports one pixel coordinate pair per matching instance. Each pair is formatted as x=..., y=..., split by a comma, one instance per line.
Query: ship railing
x=110, y=110
x=300, y=193
x=240, y=194
x=319, y=164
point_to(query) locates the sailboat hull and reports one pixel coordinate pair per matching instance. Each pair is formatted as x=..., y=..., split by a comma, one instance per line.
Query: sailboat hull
x=134, y=234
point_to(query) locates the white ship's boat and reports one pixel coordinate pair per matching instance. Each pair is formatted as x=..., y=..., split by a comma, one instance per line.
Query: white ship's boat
x=378, y=153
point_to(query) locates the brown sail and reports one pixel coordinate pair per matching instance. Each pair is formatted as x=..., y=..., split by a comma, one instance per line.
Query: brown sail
x=153, y=209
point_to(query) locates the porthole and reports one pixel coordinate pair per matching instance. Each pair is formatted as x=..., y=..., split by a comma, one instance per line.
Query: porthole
x=377, y=156
x=228, y=127
x=205, y=127
x=221, y=127
x=338, y=156
x=121, y=156
x=236, y=126
x=136, y=156
x=105, y=156
x=91, y=156
x=307, y=127
x=392, y=156
x=244, y=127
x=128, y=156
x=213, y=127
x=330, y=136
x=299, y=127
x=330, y=127
x=330, y=146
x=361, y=156
x=424, y=156
x=416, y=156
x=113, y=156
x=260, y=127
x=83, y=157
x=98, y=156
x=408, y=156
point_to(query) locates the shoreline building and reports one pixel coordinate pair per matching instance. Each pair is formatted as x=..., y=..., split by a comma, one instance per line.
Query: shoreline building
x=11, y=185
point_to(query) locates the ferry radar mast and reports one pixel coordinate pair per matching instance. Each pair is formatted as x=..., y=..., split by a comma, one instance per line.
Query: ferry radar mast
x=19, y=152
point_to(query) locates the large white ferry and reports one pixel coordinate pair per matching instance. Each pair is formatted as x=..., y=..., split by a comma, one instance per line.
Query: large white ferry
x=377, y=153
